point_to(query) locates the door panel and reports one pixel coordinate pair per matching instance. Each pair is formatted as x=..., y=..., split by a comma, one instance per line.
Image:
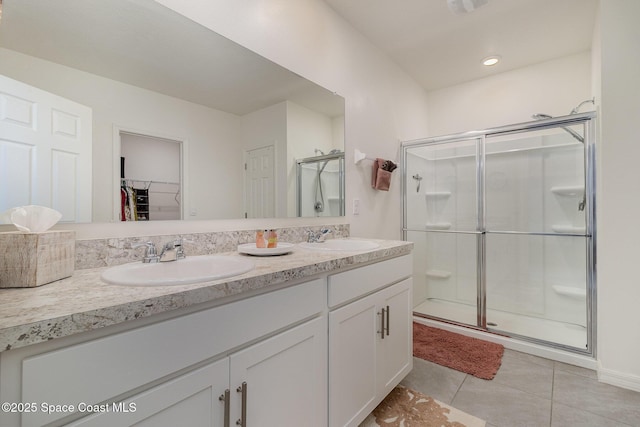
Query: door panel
x=45, y=151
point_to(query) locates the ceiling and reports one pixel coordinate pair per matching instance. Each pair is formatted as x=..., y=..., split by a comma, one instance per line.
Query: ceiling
x=439, y=48
x=144, y=44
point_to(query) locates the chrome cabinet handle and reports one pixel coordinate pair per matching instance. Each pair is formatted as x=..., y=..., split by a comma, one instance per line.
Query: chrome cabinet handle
x=382, y=324
x=242, y=421
x=226, y=399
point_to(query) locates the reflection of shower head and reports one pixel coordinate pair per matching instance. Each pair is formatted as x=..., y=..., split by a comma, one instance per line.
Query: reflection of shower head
x=540, y=116
x=576, y=135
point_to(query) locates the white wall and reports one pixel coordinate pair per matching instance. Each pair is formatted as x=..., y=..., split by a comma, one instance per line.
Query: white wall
x=210, y=134
x=618, y=199
x=383, y=105
x=611, y=75
x=553, y=87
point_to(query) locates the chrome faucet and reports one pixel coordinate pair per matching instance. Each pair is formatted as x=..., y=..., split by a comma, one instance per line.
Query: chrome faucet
x=172, y=251
x=150, y=253
x=317, y=237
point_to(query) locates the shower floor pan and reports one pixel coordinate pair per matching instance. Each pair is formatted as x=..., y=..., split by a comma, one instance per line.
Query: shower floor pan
x=508, y=323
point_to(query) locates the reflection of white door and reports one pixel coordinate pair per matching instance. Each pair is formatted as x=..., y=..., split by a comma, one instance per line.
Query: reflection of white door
x=260, y=183
x=45, y=151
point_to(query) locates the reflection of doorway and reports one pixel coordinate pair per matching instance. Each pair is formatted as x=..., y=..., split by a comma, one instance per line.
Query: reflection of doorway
x=259, y=178
x=150, y=177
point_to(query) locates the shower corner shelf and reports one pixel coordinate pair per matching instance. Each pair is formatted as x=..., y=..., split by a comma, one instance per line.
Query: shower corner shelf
x=437, y=194
x=568, y=190
x=569, y=229
x=437, y=225
x=569, y=291
x=438, y=274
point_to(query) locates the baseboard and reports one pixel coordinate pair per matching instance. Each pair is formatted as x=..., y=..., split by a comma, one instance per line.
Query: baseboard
x=619, y=379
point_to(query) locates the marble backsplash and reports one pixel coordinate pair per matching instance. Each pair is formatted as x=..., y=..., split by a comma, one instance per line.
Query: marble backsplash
x=94, y=253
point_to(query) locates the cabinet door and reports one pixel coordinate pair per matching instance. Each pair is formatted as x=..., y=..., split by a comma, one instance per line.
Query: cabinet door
x=189, y=400
x=395, y=351
x=352, y=361
x=284, y=378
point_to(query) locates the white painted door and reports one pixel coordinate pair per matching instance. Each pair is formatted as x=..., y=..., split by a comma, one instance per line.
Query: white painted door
x=260, y=197
x=191, y=400
x=45, y=151
x=285, y=379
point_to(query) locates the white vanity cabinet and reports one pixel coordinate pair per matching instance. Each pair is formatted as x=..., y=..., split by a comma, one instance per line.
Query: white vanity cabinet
x=191, y=399
x=315, y=353
x=280, y=381
x=173, y=372
x=370, y=337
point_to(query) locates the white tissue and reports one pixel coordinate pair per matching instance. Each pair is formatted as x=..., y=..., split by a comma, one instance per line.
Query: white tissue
x=32, y=218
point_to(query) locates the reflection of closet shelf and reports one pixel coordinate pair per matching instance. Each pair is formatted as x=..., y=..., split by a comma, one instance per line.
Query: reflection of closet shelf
x=438, y=225
x=437, y=194
x=147, y=183
x=569, y=229
x=165, y=208
x=438, y=274
x=570, y=291
x=568, y=190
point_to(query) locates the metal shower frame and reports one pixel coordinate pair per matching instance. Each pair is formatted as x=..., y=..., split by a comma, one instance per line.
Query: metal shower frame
x=315, y=159
x=588, y=119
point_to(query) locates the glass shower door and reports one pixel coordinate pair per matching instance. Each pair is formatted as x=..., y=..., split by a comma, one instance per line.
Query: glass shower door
x=536, y=240
x=441, y=217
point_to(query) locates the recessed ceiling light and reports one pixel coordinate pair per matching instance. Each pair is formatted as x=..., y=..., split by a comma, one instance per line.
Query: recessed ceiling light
x=491, y=60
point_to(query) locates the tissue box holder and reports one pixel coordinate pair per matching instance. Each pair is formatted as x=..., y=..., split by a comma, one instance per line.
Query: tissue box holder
x=34, y=259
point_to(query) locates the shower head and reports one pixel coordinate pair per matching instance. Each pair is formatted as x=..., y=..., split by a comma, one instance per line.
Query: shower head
x=575, y=110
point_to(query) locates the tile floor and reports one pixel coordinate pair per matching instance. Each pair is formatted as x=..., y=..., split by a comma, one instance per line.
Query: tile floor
x=530, y=391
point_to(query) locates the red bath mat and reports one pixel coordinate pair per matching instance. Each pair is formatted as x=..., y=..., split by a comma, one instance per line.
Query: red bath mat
x=466, y=354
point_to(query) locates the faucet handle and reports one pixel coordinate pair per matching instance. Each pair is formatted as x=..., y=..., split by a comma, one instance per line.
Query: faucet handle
x=150, y=253
x=317, y=237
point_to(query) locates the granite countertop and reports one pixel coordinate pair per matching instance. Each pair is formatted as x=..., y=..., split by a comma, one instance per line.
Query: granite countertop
x=83, y=302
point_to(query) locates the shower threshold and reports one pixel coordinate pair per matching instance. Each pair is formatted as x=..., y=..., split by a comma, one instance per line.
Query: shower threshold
x=509, y=324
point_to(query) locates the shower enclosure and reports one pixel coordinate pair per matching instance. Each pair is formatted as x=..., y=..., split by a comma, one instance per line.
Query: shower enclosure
x=320, y=185
x=503, y=226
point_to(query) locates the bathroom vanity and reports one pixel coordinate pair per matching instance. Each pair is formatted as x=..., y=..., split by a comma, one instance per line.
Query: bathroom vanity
x=313, y=338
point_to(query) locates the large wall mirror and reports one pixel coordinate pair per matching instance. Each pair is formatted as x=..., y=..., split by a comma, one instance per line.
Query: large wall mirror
x=217, y=129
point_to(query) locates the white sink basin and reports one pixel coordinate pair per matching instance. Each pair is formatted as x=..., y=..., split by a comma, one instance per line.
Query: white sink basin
x=192, y=269
x=341, y=245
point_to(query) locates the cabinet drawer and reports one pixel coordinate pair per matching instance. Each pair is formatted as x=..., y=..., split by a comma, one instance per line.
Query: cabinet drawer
x=349, y=285
x=101, y=369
